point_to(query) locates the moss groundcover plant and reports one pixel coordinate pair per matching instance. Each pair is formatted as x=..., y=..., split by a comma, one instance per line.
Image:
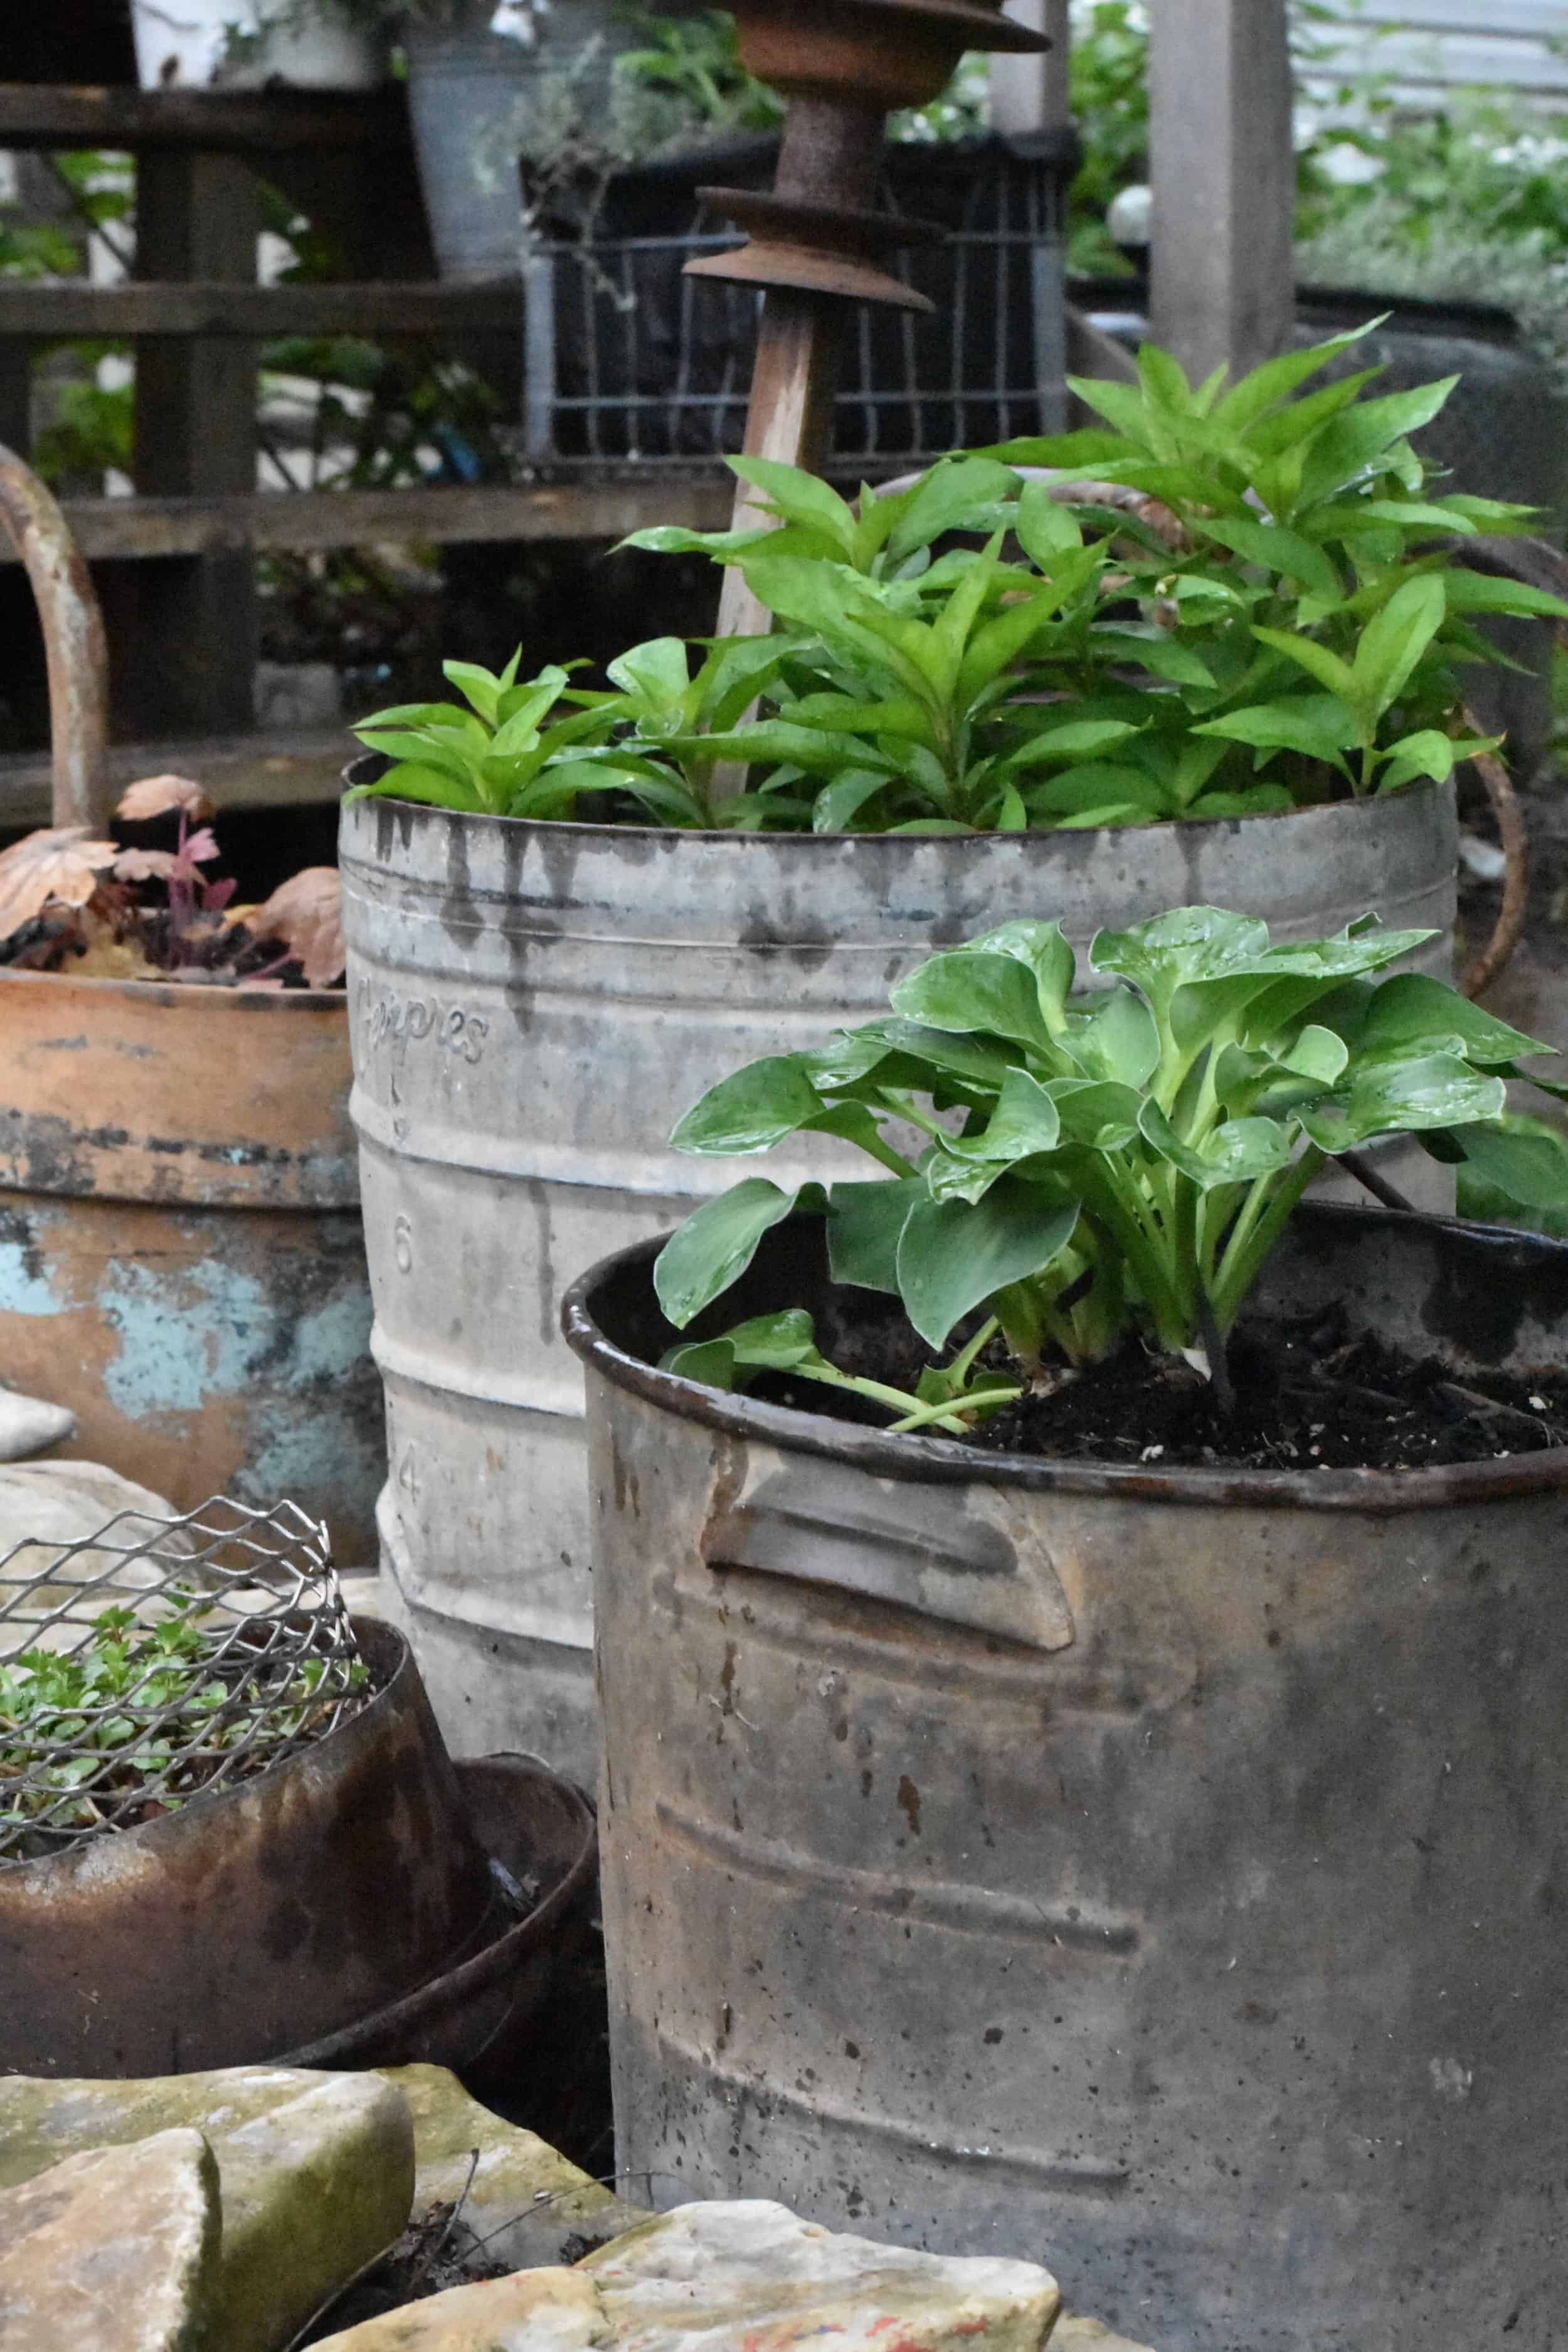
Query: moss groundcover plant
x=1093, y=1173
x=1228, y=601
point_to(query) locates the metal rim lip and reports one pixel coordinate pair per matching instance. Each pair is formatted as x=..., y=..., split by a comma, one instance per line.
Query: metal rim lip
x=577, y=829
x=946, y=1460
x=171, y=995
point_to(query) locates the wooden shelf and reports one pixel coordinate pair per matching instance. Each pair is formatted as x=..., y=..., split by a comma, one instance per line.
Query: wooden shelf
x=271, y=522
x=207, y=121
x=291, y=770
x=140, y=307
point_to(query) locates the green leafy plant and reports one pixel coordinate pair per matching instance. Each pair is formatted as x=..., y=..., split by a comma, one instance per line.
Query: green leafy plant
x=1232, y=600
x=143, y=1715
x=506, y=755
x=1095, y=1168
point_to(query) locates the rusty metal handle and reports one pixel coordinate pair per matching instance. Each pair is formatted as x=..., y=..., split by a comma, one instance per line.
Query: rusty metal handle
x=74, y=644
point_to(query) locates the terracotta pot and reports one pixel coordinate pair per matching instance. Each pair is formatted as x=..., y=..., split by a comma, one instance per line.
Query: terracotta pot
x=181, y=1256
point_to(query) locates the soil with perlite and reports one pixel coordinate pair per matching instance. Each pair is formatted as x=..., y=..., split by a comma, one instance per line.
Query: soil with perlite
x=1304, y=1394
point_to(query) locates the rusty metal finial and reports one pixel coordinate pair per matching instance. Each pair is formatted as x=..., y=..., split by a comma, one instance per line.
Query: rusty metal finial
x=816, y=242
x=74, y=642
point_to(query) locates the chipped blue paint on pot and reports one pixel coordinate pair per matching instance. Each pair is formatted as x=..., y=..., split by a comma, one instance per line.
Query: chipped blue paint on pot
x=182, y=1260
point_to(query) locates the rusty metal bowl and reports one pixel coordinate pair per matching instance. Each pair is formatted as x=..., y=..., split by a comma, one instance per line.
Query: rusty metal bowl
x=477, y=2015
x=289, y=1906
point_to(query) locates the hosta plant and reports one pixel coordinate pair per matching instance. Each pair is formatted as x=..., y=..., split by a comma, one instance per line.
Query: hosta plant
x=1066, y=1173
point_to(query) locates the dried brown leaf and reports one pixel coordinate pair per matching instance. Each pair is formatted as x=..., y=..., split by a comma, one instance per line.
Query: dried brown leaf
x=305, y=914
x=58, y=863
x=145, y=865
x=154, y=796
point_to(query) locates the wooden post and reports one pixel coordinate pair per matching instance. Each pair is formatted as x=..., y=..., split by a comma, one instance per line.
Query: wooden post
x=1030, y=93
x=1223, y=173
x=192, y=618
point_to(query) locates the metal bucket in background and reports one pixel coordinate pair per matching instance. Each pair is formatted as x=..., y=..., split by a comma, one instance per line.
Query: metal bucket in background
x=1159, y=1874
x=533, y=1005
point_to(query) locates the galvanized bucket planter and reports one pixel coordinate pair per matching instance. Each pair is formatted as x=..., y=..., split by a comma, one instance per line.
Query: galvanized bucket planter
x=181, y=1257
x=533, y=1005
x=1159, y=1876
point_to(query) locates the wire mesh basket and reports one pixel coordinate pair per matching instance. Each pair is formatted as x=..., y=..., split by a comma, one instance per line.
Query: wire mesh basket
x=159, y=1659
x=630, y=362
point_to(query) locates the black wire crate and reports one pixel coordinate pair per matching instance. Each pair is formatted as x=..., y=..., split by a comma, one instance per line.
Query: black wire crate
x=630, y=362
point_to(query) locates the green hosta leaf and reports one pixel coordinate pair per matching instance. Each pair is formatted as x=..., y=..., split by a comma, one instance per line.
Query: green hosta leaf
x=1096, y=1112
x=751, y=1111
x=1024, y=1121
x=1172, y=952
x=951, y=1258
x=773, y=1343
x=1235, y=1153
x=1117, y=1040
x=1411, y=1009
x=711, y=1361
x=958, y=1055
x=479, y=686
x=715, y=1245
x=1433, y=1090
x=1531, y=1169
x=1078, y=792
x=864, y=1222
x=1040, y=946
x=1318, y=1054
x=656, y=674
x=988, y=992
x=1427, y=753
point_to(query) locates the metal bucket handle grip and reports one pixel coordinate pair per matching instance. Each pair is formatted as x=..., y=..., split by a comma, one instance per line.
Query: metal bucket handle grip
x=74, y=644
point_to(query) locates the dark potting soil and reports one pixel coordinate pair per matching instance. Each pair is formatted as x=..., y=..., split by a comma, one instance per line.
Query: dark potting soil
x=1306, y=1395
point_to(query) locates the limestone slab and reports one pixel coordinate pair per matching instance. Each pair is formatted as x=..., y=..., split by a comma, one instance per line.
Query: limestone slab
x=533, y=2311
x=116, y=2248
x=316, y=2173
x=703, y=2278
x=30, y=1425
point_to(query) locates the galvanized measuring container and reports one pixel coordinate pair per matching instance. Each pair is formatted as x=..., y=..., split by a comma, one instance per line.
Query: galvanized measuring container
x=532, y=1006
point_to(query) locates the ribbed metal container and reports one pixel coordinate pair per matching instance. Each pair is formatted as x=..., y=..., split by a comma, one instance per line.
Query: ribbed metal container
x=532, y=1006
x=1159, y=1874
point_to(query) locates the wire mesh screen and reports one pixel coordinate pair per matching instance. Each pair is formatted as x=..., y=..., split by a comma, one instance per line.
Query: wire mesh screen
x=162, y=1658
x=628, y=360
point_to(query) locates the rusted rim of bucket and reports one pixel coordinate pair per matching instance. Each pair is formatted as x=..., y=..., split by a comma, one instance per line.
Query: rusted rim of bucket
x=176, y=998
x=440, y=2001
x=945, y=1461
x=893, y=847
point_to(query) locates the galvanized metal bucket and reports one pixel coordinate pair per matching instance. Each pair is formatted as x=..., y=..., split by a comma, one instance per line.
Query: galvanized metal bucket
x=1159, y=1876
x=532, y=1006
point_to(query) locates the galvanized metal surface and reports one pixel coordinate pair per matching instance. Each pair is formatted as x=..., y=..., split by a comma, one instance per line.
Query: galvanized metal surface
x=181, y=1260
x=480, y=2016
x=532, y=1008
x=1157, y=1874
x=281, y=1909
x=75, y=647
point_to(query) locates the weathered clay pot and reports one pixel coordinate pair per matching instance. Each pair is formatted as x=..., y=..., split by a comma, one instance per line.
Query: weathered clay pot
x=181, y=1256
